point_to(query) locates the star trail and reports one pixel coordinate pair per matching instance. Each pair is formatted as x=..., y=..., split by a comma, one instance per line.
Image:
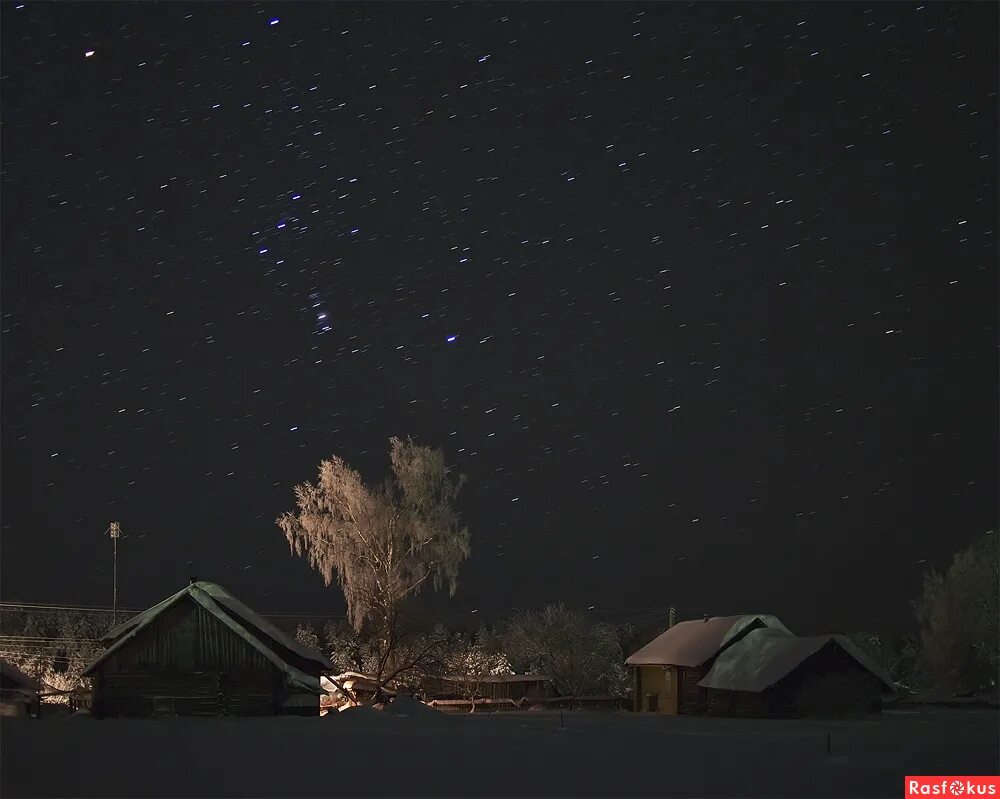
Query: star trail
x=702, y=298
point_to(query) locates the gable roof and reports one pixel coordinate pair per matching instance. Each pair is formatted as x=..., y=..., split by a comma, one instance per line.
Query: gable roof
x=227, y=609
x=766, y=656
x=692, y=643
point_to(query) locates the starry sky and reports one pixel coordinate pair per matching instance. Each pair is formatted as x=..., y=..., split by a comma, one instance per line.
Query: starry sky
x=702, y=298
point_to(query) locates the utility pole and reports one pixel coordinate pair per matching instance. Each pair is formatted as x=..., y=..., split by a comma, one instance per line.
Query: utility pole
x=115, y=531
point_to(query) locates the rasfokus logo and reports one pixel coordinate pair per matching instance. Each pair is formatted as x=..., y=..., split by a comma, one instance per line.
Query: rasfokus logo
x=953, y=786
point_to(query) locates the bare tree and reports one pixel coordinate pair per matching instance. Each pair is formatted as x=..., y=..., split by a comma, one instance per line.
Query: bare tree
x=382, y=544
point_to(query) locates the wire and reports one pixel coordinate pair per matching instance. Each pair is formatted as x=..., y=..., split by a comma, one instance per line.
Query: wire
x=31, y=606
x=42, y=606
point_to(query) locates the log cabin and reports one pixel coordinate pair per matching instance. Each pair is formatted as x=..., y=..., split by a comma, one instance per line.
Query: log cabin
x=203, y=652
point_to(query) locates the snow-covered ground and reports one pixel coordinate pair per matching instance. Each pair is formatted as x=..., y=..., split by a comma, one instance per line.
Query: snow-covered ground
x=362, y=752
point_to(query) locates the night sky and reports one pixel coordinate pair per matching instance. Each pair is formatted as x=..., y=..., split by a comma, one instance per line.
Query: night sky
x=701, y=298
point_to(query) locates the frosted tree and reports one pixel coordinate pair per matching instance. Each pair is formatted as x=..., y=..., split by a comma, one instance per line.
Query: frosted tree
x=959, y=616
x=471, y=663
x=55, y=649
x=382, y=544
x=306, y=635
x=349, y=650
x=580, y=657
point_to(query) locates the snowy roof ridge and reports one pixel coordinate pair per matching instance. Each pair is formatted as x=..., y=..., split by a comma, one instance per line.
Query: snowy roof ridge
x=246, y=614
x=235, y=607
x=766, y=656
x=692, y=643
x=216, y=600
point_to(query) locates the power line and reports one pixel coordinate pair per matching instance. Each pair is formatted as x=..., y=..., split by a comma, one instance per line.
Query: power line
x=625, y=614
x=29, y=638
x=43, y=606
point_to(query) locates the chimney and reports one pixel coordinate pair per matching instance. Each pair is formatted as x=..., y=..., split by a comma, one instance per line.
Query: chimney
x=706, y=618
x=193, y=580
x=671, y=619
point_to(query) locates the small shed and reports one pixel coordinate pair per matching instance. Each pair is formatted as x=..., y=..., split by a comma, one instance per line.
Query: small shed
x=203, y=652
x=19, y=694
x=667, y=670
x=770, y=673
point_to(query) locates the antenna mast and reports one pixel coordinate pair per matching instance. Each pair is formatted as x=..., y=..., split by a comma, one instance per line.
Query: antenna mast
x=115, y=532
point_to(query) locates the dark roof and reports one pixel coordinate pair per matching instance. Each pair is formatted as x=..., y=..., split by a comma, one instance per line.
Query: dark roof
x=232, y=613
x=765, y=656
x=18, y=677
x=692, y=643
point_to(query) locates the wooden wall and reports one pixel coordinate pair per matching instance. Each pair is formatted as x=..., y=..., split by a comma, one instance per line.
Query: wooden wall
x=187, y=638
x=741, y=704
x=189, y=663
x=829, y=683
x=675, y=687
x=691, y=700
x=658, y=681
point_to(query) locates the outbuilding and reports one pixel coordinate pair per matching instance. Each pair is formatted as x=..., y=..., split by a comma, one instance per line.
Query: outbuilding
x=771, y=673
x=203, y=652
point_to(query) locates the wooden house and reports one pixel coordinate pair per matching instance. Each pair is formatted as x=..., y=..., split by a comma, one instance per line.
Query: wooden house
x=19, y=694
x=203, y=652
x=666, y=672
x=770, y=673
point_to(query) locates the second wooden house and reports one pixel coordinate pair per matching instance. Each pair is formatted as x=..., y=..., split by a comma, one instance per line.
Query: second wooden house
x=667, y=670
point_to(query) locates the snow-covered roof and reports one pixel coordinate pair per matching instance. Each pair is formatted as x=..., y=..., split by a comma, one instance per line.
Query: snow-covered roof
x=233, y=605
x=765, y=656
x=692, y=643
x=247, y=624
